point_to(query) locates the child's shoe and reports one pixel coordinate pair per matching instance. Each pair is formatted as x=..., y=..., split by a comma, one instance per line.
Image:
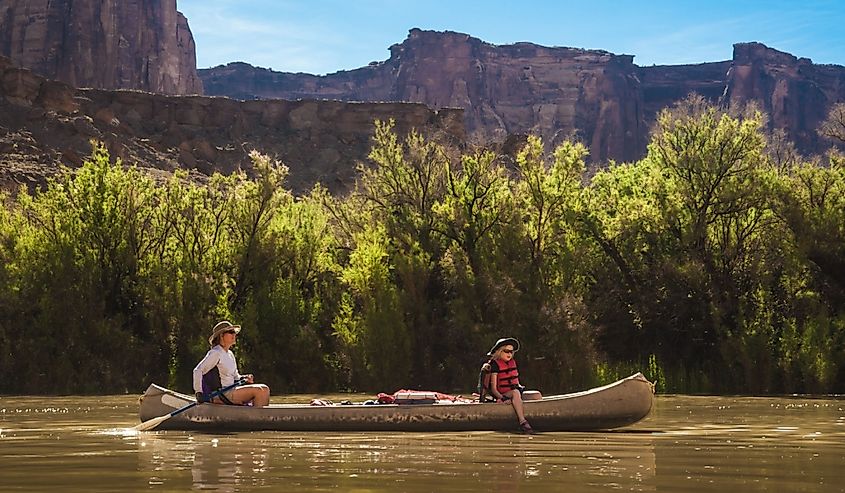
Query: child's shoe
x=526, y=428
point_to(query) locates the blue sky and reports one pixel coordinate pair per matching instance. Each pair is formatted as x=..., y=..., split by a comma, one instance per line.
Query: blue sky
x=326, y=36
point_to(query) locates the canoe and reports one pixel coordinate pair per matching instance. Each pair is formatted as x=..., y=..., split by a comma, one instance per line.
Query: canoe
x=618, y=404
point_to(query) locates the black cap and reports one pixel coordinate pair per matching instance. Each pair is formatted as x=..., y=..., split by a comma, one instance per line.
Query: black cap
x=504, y=342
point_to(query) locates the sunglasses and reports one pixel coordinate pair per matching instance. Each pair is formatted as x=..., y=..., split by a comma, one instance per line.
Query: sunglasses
x=231, y=332
x=509, y=351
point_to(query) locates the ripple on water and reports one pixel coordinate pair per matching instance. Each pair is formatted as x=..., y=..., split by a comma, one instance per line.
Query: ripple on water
x=687, y=444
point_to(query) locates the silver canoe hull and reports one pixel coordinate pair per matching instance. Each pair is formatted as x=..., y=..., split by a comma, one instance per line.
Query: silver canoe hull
x=621, y=403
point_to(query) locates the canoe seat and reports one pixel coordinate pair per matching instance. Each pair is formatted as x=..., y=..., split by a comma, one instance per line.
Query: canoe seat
x=418, y=397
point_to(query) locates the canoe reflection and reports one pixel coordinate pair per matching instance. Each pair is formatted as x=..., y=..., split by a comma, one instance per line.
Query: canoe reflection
x=216, y=469
x=166, y=457
x=400, y=462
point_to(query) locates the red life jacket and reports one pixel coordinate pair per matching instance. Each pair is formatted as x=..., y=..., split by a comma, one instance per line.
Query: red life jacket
x=507, y=377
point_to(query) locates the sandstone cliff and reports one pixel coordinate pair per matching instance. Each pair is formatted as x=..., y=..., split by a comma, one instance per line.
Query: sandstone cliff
x=662, y=85
x=796, y=93
x=520, y=88
x=604, y=99
x=109, y=44
x=44, y=123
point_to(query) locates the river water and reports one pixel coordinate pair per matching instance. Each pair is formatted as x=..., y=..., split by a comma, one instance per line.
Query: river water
x=727, y=444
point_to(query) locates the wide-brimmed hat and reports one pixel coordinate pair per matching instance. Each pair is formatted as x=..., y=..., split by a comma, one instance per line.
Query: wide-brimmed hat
x=222, y=327
x=504, y=342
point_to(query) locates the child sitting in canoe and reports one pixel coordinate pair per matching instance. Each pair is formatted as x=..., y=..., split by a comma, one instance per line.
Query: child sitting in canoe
x=500, y=377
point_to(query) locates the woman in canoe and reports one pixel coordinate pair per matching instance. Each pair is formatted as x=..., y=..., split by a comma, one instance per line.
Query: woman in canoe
x=504, y=378
x=218, y=369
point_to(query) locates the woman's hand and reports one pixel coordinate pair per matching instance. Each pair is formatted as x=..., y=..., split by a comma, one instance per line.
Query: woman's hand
x=249, y=378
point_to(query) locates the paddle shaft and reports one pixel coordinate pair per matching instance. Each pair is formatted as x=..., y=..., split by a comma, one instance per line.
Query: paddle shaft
x=211, y=396
x=152, y=423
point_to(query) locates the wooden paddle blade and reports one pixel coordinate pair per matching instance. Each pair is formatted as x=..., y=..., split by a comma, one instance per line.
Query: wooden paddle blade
x=151, y=423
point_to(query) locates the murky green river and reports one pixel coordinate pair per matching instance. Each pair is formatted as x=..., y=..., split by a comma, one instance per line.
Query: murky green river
x=724, y=444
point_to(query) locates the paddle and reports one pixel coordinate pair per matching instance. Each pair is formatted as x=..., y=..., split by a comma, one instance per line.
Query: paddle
x=152, y=423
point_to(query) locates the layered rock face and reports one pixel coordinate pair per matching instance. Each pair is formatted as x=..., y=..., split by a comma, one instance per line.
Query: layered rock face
x=663, y=85
x=45, y=123
x=108, y=44
x=601, y=98
x=796, y=93
x=520, y=88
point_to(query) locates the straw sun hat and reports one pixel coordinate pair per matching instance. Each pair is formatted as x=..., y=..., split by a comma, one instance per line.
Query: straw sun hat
x=222, y=327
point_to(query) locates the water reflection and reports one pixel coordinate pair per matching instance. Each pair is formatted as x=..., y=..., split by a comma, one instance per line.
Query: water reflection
x=750, y=444
x=407, y=461
x=211, y=470
x=688, y=444
x=165, y=457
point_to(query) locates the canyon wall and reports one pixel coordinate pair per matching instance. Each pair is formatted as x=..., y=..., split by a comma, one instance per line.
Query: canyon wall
x=444, y=83
x=662, y=86
x=796, y=93
x=605, y=100
x=45, y=123
x=107, y=44
x=515, y=89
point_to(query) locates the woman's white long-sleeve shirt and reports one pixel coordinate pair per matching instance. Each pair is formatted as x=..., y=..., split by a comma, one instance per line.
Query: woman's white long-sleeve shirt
x=225, y=362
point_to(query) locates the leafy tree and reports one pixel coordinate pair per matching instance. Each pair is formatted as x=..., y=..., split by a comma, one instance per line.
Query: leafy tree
x=371, y=317
x=292, y=307
x=833, y=127
x=714, y=263
x=86, y=237
x=809, y=201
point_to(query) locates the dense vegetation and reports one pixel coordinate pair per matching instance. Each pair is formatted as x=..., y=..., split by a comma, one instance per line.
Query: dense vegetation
x=714, y=264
